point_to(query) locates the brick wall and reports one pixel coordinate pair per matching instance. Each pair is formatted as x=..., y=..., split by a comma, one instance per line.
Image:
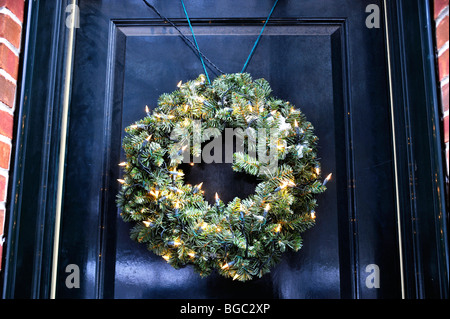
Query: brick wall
x=11, y=18
x=442, y=26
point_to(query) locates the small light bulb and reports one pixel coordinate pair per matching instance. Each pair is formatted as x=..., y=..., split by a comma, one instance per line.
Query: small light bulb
x=182, y=150
x=284, y=185
x=147, y=223
x=197, y=188
x=155, y=193
x=327, y=179
x=176, y=173
x=298, y=131
x=313, y=214
x=278, y=229
x=259, y=218
x=217, y=199
x=280, y=146
x=227, y=265
x=176, y=242
x=317, y=170
x=123, y=164
x=179, y=84
x=203, y=226
x=121, y=181
x=166, y=257
x=266, y=210
x=147, y=110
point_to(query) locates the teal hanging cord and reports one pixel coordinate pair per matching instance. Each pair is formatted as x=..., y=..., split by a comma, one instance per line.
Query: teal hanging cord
x=186, y=39
x=259, y=37
x=251, y=52
x=195, y=41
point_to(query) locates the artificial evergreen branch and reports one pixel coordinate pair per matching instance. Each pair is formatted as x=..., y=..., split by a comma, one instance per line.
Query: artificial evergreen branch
x=246, y=237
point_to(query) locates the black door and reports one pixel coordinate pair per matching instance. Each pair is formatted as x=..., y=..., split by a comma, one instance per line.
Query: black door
x=319, y=55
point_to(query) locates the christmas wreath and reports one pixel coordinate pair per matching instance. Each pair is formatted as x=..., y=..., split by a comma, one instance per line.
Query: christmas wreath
x=245, y=237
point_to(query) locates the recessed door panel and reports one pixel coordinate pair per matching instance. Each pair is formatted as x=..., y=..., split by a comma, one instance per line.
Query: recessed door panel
x=325, y=62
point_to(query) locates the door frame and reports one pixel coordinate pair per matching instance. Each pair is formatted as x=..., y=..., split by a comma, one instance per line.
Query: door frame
x=38, y=150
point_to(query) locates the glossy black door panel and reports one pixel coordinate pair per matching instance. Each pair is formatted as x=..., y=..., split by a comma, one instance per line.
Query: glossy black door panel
x=144, y=57
x=318, y=55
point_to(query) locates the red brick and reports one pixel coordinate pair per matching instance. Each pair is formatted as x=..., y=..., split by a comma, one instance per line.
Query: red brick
x=443, y=65
x=6, y=124
x=10, y=30
x=2, y=219
x=442, y=32
x=446, y=129
x=439, y=5
x=9, y=61
x=7, y=91
x=444, y=96
x=15, y=6
x=2, y=188
x=5, y=152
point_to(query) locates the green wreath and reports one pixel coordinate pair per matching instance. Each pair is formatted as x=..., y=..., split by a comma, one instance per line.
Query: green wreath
x=245, y=237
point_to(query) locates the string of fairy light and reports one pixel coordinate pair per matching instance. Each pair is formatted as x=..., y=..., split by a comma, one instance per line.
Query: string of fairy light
x=173, y=199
